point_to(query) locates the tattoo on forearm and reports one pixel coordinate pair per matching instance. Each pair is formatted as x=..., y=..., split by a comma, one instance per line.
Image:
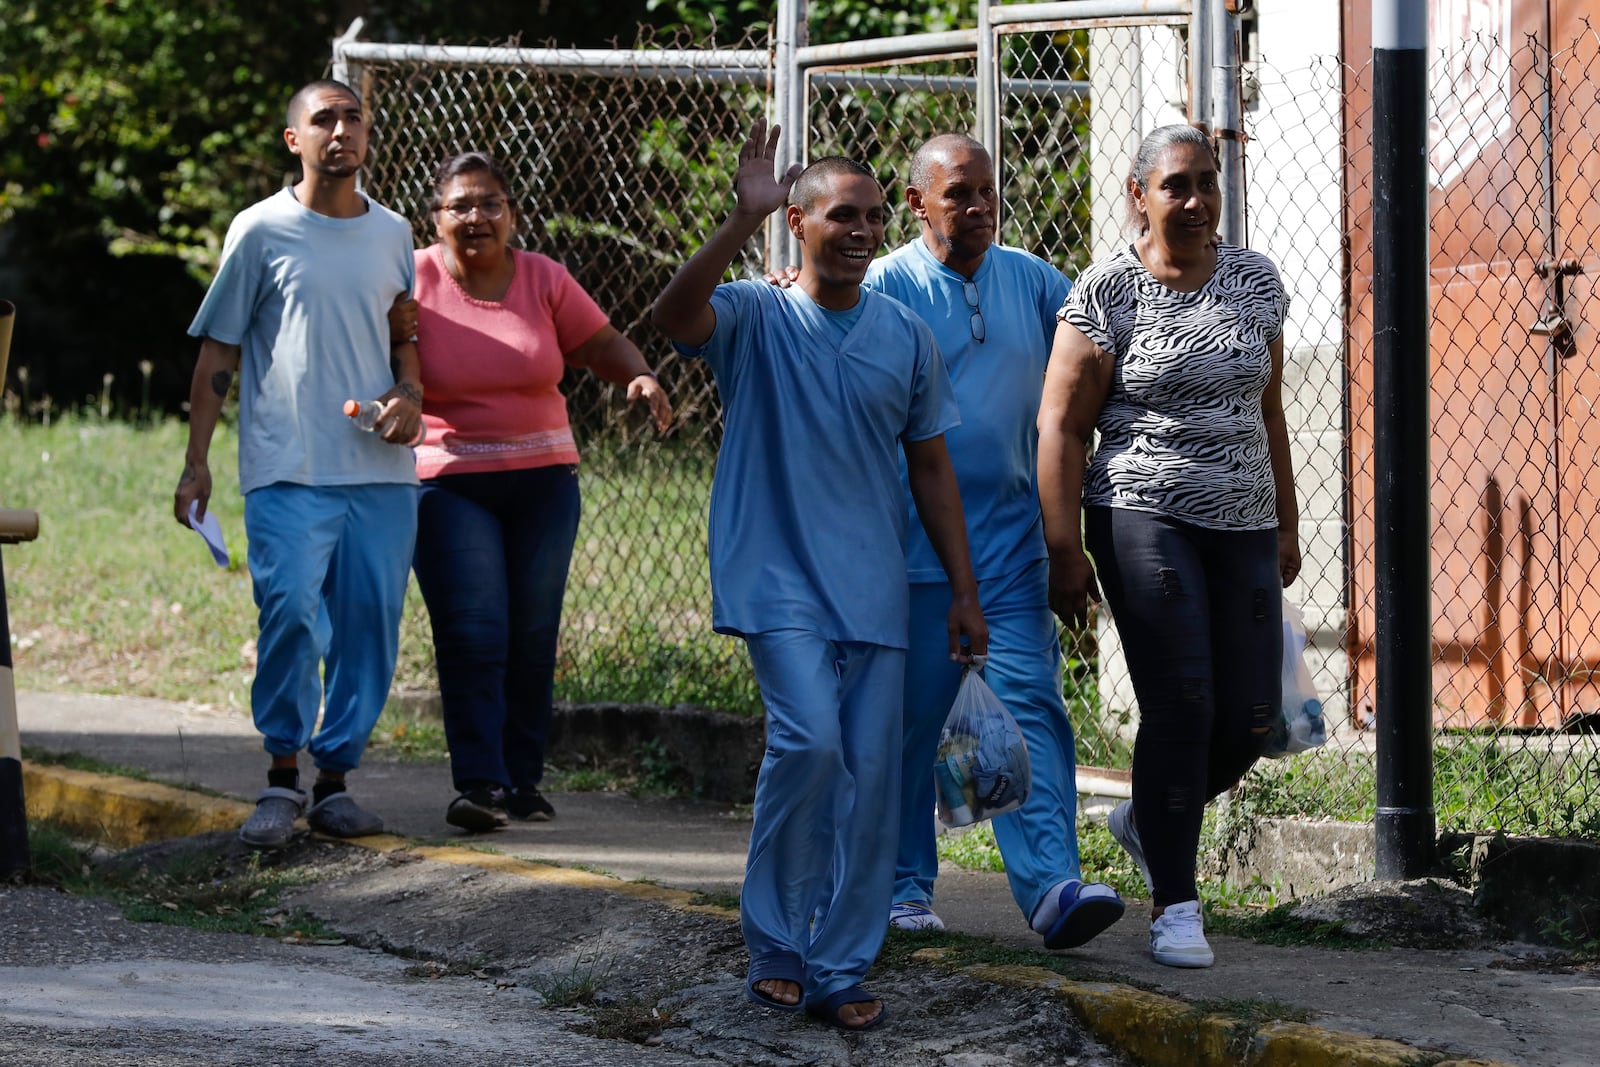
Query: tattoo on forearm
x=221, y=382
x=410, y=392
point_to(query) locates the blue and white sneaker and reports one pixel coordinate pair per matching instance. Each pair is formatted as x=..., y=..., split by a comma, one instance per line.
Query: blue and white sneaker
x=914, y=915
x=1085, y=910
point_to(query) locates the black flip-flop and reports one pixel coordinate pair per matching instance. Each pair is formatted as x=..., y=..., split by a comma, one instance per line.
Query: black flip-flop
x=827, y=1009
x=775, y=967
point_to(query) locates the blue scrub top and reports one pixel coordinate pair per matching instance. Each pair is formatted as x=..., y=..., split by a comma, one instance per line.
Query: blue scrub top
x=997, y=383
x=807, y=521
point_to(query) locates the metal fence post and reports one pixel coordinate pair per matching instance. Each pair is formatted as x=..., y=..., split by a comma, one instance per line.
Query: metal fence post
x=1227, y=112
x=342, y=68
x=1404, y=645
x=989, y=76
x=789, y=111
x=1200, y=41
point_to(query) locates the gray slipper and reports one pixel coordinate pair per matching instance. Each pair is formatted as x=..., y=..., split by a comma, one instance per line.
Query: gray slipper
x=271, y=825
x=338, y=815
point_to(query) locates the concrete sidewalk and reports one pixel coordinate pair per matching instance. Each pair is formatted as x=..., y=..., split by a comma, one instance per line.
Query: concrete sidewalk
x=1466, y=1004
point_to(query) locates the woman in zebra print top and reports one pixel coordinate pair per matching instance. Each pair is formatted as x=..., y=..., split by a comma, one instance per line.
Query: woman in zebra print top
x=1172, y=348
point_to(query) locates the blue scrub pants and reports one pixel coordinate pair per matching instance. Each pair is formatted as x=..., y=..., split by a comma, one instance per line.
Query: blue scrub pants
x=493, y=551
x=822, y=843
x=1038, y=841
x=328, y=566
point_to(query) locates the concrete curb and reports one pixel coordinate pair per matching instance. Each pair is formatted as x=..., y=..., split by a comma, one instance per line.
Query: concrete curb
x=1155, y=1030
x=123, y=812
x=1162, y=1031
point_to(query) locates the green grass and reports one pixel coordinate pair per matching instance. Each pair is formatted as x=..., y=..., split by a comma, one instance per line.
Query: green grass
x=116, y=597
x=202, y=889
x=76, y=761
x=577, y=985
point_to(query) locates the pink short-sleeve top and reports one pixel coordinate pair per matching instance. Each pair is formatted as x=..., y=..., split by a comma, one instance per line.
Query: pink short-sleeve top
x=491, y=370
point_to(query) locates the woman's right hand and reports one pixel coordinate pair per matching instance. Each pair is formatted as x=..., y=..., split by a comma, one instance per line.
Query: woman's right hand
x=1072, y=587
x=647, y=387
x=402, y=319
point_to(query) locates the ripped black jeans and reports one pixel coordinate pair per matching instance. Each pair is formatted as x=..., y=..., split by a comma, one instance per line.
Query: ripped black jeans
x=1200, y=616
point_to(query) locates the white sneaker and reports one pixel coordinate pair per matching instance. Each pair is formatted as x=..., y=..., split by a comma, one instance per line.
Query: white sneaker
x=914, y=916
x=1120, y=823
x=1178, y=938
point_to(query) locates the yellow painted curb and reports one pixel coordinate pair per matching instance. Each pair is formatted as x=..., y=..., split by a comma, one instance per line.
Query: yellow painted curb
x=123, y=812
x=1160, y=1031
x=1157, y=1031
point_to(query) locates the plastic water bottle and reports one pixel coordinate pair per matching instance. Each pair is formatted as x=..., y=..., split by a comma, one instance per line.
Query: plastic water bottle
x=365, y=415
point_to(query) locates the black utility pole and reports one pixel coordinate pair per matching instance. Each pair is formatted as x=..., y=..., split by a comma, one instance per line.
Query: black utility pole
x=1405, y=819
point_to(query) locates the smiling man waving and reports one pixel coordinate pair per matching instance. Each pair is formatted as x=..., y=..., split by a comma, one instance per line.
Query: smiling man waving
x=821, y=384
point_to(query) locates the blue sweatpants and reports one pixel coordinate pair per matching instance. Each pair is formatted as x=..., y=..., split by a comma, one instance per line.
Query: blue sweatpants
x=822, y=843
x=1038, y=841
x=328, y=566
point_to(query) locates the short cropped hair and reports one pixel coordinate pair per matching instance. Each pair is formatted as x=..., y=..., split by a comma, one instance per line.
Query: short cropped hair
x=937, y=150
x=809, y=185
x=297, y=102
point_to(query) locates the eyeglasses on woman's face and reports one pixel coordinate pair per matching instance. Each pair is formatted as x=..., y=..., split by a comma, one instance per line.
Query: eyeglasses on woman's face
x=975, y=323
x=490, y=207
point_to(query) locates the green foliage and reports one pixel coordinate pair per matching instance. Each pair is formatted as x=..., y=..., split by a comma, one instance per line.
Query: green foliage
x=147, y=123
x=1103, y=860
x=828, y=21
x=971, y=848
x=660, y=773
x=409, y=736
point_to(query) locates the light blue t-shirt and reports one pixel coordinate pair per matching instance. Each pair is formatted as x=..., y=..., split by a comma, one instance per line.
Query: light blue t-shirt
x=807, y=526
x=306, y=298
x=997, y=384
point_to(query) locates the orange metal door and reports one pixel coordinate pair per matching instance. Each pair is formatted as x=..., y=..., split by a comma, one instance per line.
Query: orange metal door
x=1491, y=401
x=1574, y=317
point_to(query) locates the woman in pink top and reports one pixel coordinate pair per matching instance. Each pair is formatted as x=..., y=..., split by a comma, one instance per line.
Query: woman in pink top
x=498, y=515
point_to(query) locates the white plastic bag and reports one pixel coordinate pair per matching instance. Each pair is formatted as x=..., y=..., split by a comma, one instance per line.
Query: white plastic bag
x=981, y=769
x=1300, y=726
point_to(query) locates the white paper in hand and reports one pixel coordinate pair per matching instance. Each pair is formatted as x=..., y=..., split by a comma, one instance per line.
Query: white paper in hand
x=210, y=531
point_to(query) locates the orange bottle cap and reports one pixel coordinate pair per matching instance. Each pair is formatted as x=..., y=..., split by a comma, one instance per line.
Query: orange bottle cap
x=352, y=408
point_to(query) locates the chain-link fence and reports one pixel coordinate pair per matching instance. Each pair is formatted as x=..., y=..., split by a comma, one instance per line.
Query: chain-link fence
x=621, y=162
x=624, y=168
x=1516, y=535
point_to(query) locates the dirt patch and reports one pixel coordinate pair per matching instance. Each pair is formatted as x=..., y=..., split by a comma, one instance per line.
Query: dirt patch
x=1426, y=913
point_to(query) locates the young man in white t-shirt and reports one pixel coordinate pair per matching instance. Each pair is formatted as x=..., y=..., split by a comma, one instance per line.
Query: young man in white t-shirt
x=299, y=309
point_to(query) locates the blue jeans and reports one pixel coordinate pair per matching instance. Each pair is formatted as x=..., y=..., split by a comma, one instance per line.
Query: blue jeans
x=328, y=570
x=1200, y=614
x=493, y=550
x=1038, y=841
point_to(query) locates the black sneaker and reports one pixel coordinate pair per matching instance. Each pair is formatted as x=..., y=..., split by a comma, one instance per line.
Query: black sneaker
x=529, y=804
x=476, y=811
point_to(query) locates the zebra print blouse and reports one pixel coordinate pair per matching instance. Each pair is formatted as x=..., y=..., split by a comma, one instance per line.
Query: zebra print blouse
x=1181, y=432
